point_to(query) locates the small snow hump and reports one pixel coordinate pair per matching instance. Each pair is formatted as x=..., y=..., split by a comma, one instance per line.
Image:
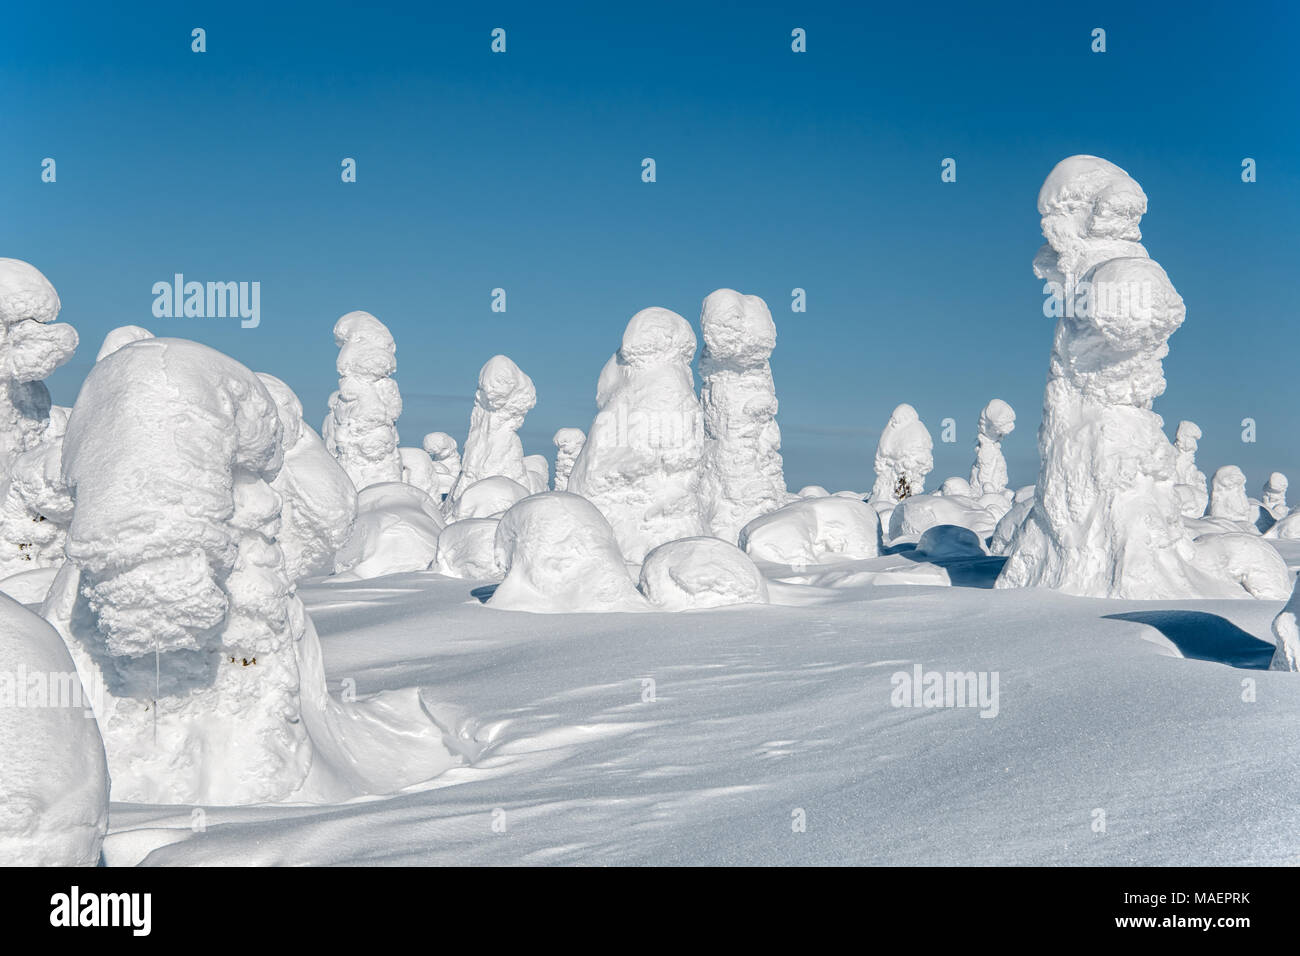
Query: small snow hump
x=559, y=555
x=700, y=572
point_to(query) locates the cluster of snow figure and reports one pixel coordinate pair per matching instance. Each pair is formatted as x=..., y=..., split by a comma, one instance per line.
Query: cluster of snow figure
x=155, y=534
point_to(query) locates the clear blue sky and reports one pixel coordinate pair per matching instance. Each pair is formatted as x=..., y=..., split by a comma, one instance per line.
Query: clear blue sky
x=775, y=170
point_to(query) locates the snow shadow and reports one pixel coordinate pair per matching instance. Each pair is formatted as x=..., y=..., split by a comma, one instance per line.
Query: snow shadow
x=1205, y=637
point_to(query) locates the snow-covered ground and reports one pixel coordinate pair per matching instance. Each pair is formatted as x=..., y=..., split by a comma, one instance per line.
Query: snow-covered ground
x=760, y=718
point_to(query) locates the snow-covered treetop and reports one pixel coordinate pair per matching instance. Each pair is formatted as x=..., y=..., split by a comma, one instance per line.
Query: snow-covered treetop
x=366, y=347
x=439, y=445
x=1091, y=211
x=33, y=347
x=737, y=328
x=120, y=336
x=1188, y=434
x=997, y=420
x=504, y=388
x=570, y=438
x=657, y=336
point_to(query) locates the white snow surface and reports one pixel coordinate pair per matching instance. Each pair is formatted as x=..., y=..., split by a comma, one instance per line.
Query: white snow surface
x=568, y=444
x=692, y=738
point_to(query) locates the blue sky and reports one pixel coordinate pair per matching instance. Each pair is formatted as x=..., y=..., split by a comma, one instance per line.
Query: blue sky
x=775, y=170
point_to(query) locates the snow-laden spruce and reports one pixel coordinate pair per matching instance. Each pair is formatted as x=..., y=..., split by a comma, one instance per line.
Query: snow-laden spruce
x=1228, y=498
x=1106, y=520
x=176, y=597
x=441, y=447
x=318, y=502
x=35, y=507
x=505, y=395
x=32, y=345
x=558, y=555
x=988, y=474
x=568, y=445
x=742, y=468
x=904, y=456
x=1190, y=484
x=361, y=428
x=53, y=773
x=641, y=462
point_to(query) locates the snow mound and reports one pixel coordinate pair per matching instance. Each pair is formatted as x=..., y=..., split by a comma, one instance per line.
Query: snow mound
x=742, y=467
x=488, y=498
x=913, y=516
x=53, y=772
x=559, y=555
x=504, y=397
x=318, y=503
x=361, y=428
x=1248, y=560
x=120, y=336
x=396, y=530
x=904, y=456
x=641, y=462
x=813, y=491
x=813, y=530
x=467, y=549
x=1287, y=528
x=700, y=573
x=947, y=541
